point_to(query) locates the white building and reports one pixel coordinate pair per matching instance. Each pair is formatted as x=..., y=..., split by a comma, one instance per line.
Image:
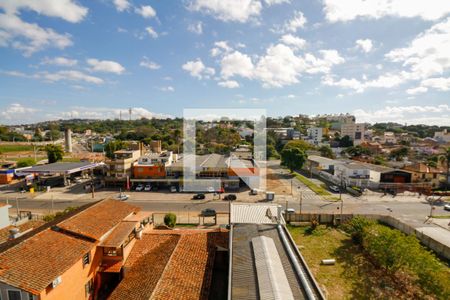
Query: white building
x=315, y=135
x=4, y=215
x=389, y=138
x=442, y=136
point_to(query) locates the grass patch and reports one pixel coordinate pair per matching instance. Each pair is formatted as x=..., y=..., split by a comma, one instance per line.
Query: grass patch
x=186, y=225
x=312, y=186
x=441, y=217
x=70, y=159
x=353, y=276
x=15, y=148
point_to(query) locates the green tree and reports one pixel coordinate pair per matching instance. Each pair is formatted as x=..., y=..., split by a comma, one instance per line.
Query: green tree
x=326, y=151
x=54, y=153
x=399, y=154
x=170, y=220
x=25, y=162
x=445, y=160
x=356, y=151
x=293, y=158
x=112, y=147
x=299, y=144
x=345, y=141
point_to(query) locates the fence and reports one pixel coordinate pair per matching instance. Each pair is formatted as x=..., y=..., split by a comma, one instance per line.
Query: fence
x=192, y=217
x=438, y=247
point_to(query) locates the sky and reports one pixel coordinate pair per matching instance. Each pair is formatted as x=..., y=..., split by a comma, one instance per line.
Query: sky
x=381, y=60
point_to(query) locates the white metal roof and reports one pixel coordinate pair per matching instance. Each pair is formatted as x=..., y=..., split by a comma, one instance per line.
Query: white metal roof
x=254, y=213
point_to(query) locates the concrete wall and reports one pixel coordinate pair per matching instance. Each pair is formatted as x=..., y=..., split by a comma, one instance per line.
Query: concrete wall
x=4, y=216
x=4, y=291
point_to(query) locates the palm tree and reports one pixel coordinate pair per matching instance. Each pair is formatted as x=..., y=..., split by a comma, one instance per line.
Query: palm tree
x=445, y=160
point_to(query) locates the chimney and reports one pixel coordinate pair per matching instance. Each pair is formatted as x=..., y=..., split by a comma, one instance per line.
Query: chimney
x=68, y=140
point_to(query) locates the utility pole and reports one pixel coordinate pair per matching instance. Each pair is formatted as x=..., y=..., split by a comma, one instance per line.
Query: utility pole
x=301, y=200
x=17, y=207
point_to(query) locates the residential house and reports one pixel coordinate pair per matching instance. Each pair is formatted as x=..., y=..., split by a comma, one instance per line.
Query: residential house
x=355, y=131
x=421, y=173
x=442, y=136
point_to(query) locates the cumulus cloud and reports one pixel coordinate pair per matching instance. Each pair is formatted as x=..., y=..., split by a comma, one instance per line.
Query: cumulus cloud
x=290, y=40
x=298, y=21
x=108, y=113
x=197, y=69
x=122, y=5
x=231, y=84
x=167, y=88
x=196, y=28
x=151, y=32
x=238, y=64
x=16, y=111
x=146, y=11
x=59, y=61
x=342, y=11
x=430, y=115
x=107, y=66
x=365, y=45
x=417, y=90
x=228, y=10
x=68, y=75
x=273, y=2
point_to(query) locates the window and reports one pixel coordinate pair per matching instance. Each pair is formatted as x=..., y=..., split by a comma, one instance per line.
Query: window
x=86, y=259
x=89, y=287
x=14, y=295
x=31, y=296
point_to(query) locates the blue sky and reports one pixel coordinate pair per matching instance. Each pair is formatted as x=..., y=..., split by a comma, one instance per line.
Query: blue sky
x=381, y=60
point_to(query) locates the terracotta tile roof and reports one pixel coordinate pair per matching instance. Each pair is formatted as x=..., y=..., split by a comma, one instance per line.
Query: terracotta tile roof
x=34, y=263
x=111, y=266
x=168, y=264
x=119, y=234
x=4, y=232
x=95, y=221
x=139, y=216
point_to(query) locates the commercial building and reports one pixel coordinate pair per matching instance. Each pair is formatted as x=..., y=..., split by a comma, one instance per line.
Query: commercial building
x=421, y=173
x=120, y=167
x=153, y=165
x=355, y=131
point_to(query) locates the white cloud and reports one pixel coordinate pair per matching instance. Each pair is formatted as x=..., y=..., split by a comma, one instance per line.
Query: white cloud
x=108, y=113
x=291, y=96
x=298, y=21
x=388, y=80
x=294, y=41
x=220, y=47
x=67, y=10
x=197, y=69
x=365, y=45
x=196, y=28
x=15, y=112
x=236, y=63
x=430, y=115
x=59, y=61
x=231, y=84
x=228, y=10
x=68, y=75
x=122, y=5
x=273, y=2
x=417, y=90
x=146, y=11
x=340, y=10
x=151, y=32
x=149, y=64
x=106, y=66
x=14, y=73
x=441, y=84
x=167, y=88
x=28, y=37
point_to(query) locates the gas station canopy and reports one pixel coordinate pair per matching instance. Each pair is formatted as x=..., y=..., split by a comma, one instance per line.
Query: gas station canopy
x=61, y=168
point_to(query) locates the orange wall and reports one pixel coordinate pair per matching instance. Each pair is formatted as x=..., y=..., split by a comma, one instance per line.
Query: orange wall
x=148, y=171
x=74, y=279
x=243, y=172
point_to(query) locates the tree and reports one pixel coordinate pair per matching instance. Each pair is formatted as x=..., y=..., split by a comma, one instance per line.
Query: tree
x=356, y=151
x=293, y=158
x=399, y=154
x=445, y=160
x=326, y=151
x=54, y=153
x=302, y=145
x=112, y=147
x=345, y=141
x=170, y=220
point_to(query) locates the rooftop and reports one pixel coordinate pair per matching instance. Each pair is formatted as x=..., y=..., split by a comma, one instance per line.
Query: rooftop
x=61, y=167
x=323, y=160
x=95, y=221
x=254, y=213
x=48, y=253
x=165, y=263
x=4, y=232
x=119, y=234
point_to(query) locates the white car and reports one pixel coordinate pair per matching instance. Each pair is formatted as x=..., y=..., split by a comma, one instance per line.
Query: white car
x=290, y=211
x=122, y=197
x=210, y=189
x=173, y=189
x=139, y=187
x=147, y=188
x=447, y=206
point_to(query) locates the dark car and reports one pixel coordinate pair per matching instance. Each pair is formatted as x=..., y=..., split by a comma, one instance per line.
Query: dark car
x=198, y=197
x=230, y=197
x=208, y=212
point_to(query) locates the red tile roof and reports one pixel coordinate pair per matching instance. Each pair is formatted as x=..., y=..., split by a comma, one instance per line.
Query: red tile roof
x=4, y=232
x=119, y=234
x=34, y=263
x=168, y=264
x=95, y=221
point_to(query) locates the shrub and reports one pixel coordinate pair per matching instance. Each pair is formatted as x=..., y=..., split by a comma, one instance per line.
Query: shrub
x=25, y=162
x=355, y=228
x=170, y=220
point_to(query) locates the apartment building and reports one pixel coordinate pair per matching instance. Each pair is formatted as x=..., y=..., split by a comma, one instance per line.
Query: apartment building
x=314, y=135
x=355, y=131
x=120, y=167
x=442, y=136
x=73, y=258
x=153, y=165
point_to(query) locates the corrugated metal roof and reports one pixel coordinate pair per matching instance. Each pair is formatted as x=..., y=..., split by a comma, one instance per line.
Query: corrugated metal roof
x=254, y=213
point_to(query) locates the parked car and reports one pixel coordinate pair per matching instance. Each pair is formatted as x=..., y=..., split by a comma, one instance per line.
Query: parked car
x=210, y=189
x=334, y=188
x=122, y=197
x=254, y=192
x=147, y=188
x=173, y=189
x=447, y=206
x=208, y=212
x=139, y=187
x=230, y=197
x=290, y=211
x=198, y=197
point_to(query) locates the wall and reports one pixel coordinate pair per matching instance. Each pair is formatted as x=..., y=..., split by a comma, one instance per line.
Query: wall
x=4, y=291
x=142, y=171
x=4, y=216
